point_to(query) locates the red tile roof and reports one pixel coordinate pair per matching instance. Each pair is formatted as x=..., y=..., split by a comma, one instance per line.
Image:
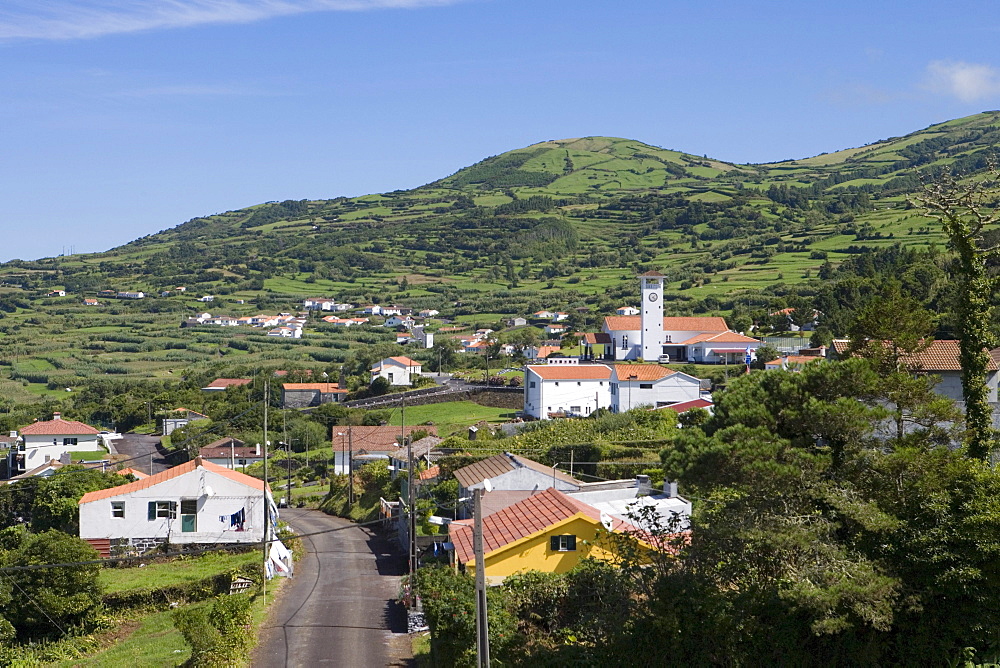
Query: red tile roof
x=525, y=518
x=642, y=372
x=722, y=337
x=170, y=474
x=325, y=388
x=229, y=382
x=597, y=337
x=545, y=351
x=943, y=355
x=57, y=427
x=138, y=475
x=431, y=473
x=571, y=371
x=688, y=405
x=619, y=323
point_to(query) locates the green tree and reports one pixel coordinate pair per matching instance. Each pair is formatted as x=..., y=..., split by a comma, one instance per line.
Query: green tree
x=816, y=538
x=967, y=212
x=48, y=600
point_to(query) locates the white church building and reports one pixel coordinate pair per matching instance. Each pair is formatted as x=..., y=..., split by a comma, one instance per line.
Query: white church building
x=652, y=337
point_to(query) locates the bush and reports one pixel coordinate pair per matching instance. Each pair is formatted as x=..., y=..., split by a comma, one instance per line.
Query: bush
x=220, y=636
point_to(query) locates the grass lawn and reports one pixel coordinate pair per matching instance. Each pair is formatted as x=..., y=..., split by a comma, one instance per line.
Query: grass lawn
x=452, y=416
x=89, y=455
x=178, y=571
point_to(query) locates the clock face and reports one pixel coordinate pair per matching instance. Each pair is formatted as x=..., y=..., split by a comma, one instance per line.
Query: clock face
x=653, y=297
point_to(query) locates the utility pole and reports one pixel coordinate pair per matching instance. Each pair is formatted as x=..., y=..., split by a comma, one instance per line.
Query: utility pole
x=267, y=509
x=412, y=519
x=350, y=467
x=482, y=620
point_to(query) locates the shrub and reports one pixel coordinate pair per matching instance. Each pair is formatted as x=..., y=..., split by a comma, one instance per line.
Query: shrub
x=219, y=636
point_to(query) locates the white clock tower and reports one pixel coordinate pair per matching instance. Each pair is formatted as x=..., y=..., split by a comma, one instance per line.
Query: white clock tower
x=651, y=334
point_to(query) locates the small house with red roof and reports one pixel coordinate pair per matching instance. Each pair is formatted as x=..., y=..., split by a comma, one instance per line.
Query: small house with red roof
x=397, y=370
x=302, y=395
x=223, y=384
x=49, y=439
x=549, y=531
x=196, y=502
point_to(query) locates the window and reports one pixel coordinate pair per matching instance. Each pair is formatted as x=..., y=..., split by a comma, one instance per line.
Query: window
x=531, y=384
x=69, y=441
x=189, y=515
x=390, y=376
x=575, y=409
x=158, y=509
x=117, y=509
x=578, y=383
x=565, y=543
x=557, y=383
x=625, y=342
x=645, y=386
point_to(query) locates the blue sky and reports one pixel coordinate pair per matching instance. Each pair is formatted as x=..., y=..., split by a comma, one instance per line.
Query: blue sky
x=119, y=118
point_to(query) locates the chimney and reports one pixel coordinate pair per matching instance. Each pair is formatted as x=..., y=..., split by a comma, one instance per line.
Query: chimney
x=66, y=458
x=258, y=450
x=670, y=489
x=57, y=416
x=642, y=483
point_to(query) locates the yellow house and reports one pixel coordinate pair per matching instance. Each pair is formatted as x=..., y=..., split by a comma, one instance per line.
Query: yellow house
x=549, y=532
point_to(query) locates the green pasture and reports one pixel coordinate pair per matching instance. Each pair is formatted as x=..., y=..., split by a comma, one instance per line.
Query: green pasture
x=181, y=570
x=454, y=416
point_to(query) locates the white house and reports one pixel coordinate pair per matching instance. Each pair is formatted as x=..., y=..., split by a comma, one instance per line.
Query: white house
x=42, y=441
x=196, y=502
x=397, y=370
x=129, y=294
x=181, y=417
x=397, y=320
x=942, y=358
x=318, y=304
x=634, y=385
x=207, y=298
x=626, y=310
x=423, y=337
x=711, y=348
x=574, y=389
x=373, y=309
x=511, y=472
x=429, y=313
x=231, y=453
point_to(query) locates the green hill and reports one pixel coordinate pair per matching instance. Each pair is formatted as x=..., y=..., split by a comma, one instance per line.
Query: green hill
x=563, y=223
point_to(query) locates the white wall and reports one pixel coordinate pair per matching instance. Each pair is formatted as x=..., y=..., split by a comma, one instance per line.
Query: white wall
x=582, y=397
x=38, y=449
x=400, y=374
x=228, y=497
x=672, y=389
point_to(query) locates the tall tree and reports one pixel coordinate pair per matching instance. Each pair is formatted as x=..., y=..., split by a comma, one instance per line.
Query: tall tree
x=967, y=212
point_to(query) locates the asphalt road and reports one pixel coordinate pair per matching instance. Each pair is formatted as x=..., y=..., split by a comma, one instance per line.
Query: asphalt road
x=339, y=609
x=142, y=447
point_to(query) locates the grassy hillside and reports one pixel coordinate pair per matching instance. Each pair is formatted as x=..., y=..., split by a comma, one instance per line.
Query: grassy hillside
x=559, y=224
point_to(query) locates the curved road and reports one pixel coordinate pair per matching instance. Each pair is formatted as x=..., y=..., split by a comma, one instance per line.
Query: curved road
x=339, y=609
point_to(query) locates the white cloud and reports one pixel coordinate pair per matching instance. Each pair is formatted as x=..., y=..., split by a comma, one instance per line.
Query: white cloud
x=82, y=19
x=969, y=82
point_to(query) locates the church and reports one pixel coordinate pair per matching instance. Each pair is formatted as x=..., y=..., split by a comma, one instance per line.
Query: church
x=652, y=337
